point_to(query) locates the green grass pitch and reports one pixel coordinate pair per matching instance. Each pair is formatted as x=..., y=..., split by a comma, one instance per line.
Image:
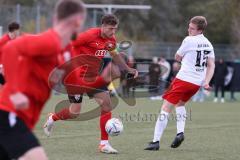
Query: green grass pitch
x=212, y=133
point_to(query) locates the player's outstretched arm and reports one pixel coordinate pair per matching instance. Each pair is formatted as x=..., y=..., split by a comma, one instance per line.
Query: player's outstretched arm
x=117, y=59
x=210, y=72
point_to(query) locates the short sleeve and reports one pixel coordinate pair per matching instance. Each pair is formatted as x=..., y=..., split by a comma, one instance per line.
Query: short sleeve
x=211, y=54
x=184, y=47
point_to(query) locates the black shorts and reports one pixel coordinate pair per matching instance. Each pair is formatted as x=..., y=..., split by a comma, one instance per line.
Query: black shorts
x=2, y=79
x=78, y=98
x=15, y=138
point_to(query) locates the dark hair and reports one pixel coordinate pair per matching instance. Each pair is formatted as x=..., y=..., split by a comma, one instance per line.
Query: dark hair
x=110, y=19
x=13, y=26
x=200, y=21
x=67, y=8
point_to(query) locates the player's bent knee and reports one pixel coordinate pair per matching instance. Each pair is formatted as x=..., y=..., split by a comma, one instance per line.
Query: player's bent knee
x=106, y=107
x=167, y=106
x=75, y=108
x=36, y=153
x=181, y=103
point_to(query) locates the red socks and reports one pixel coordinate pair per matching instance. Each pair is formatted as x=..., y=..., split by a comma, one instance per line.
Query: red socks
x=64, y=114
x=105, y=116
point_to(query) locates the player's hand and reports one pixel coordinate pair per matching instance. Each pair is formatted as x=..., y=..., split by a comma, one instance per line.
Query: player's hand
x=19, y=100
x=207, y=87
x=133, y=72
x=110, y=46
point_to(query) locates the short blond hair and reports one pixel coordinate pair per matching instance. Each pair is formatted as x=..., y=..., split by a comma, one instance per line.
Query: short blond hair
x=200, y=21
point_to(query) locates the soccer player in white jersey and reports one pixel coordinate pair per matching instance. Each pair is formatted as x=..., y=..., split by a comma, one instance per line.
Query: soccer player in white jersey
x=196, y=55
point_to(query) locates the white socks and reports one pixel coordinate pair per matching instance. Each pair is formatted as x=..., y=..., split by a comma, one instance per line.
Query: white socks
x=160, y=125
x=50, y=119
x=181, y=117
x=103, y=142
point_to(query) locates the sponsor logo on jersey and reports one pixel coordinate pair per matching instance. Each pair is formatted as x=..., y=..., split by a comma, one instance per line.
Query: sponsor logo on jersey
x=101, y=53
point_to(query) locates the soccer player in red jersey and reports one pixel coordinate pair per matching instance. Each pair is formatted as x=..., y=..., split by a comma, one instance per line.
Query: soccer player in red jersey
x=28, y=62
x=96, y=42
x=13, y=33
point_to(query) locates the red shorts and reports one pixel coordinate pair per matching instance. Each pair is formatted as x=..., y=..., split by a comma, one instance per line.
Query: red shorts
x=180, y=91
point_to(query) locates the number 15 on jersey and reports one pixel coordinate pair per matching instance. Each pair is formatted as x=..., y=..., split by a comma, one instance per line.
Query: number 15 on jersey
x=201, y=60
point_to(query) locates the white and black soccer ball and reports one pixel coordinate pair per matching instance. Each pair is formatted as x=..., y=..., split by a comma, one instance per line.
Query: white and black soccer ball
x=114, y=127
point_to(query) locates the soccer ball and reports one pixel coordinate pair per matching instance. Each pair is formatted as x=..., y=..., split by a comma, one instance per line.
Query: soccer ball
x=114, y=127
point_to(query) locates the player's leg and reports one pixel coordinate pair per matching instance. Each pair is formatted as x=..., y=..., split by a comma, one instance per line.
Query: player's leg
x=160, y=125
x=110, y=72
x=181, y=116
x=69, y=112
x=36, y=153
x=104, y=100
x=172, y=97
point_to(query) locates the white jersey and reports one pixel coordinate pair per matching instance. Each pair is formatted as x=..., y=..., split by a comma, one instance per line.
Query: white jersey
x=195, y=51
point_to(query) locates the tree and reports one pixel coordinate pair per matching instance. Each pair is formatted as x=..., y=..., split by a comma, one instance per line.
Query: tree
x=167, y=21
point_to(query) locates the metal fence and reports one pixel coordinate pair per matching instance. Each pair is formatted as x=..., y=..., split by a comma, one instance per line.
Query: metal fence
x=168, y=50
x=38, y=18
x=32, y=19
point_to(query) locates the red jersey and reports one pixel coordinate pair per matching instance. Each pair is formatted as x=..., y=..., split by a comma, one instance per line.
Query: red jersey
x=5, y=38
x=66, y=53
x=92, y=43
x=27, y=63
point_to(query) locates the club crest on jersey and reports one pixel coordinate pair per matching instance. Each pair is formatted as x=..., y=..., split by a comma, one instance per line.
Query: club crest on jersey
x=101, y=53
